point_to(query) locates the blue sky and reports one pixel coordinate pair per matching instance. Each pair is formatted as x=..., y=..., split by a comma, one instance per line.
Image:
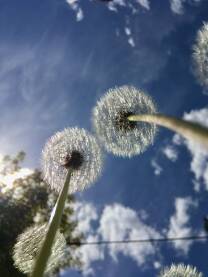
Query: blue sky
x=57, y=58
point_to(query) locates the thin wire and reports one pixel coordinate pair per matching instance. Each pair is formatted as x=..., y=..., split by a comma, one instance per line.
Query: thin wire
x=164, y=239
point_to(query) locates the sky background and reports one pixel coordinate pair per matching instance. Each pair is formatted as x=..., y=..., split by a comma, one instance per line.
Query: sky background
x=57, y=58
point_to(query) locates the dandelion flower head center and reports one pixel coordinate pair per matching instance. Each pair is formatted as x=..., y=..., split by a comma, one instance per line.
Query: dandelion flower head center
x=122, y=123
x=74, y=160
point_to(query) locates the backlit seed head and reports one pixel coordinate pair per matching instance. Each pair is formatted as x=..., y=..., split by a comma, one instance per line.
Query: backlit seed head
x=180, y=271
x=110, y=119
x=75, y=148
x=29, y=244
x=200, y=56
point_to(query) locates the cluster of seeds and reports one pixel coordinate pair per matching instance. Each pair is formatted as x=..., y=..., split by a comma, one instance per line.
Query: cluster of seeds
x=110, y=119
x=75, y=148
x=28, y=246
x=180, y=271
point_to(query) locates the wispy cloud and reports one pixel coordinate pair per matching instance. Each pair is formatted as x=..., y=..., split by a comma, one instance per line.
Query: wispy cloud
x=170, y=152
x=179, y=225
x=85, y=214
x=75, y=6
x=144, y=3
x=177, y=6
x=157, y=168
x=134, y=5
x=32, y=97
x=144, y=55
x=128, y=33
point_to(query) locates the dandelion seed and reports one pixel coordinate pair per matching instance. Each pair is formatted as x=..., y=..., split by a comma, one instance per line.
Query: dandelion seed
x=180, y=271
x=28, y=245
x=75, y=148
x=116, y=132
x=200, y=56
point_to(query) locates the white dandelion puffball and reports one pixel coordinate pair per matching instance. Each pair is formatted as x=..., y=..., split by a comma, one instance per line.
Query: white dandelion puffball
x=75, y=148
x=110, y=119
x=180, y=271
x=200, y=56
x=29, y=244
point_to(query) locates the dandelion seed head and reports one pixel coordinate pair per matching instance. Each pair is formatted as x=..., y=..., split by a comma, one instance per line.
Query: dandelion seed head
x=75, y=148
x=29, y=244
x=200, y=56
x=110, y=119
x=180, y=271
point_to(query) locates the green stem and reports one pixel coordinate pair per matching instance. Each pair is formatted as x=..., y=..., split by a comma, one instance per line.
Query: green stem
x=45, y=251
x=189, y=130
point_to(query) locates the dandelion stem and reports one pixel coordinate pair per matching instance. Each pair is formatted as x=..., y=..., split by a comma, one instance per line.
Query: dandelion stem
x=53, y=226
x=189, y=130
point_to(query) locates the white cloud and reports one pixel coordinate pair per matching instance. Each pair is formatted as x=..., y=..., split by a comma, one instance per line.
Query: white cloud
x=115, y=223
x=113, y=6
x=71, y=2
x=145, y=57
x=79, y=14
x=157, y=265
x=131, y=42
x=84, y=214
x=130, y=4
x=144, y=3
x=199, y=162
x=75, y=6
x=118, y=223
x=121, y=223
x=170, y=152
x=127, y=31
x=119, y=2
x=177, y=6
x=89, y=254
x=157, y=168
x=179, y=223
x=199, y=154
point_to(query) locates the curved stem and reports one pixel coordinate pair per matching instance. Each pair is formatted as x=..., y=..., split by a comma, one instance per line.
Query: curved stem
x=54, y=222
x=189, y=130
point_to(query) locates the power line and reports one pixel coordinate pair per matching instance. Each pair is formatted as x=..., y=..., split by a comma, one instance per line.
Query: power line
x=164, y=239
